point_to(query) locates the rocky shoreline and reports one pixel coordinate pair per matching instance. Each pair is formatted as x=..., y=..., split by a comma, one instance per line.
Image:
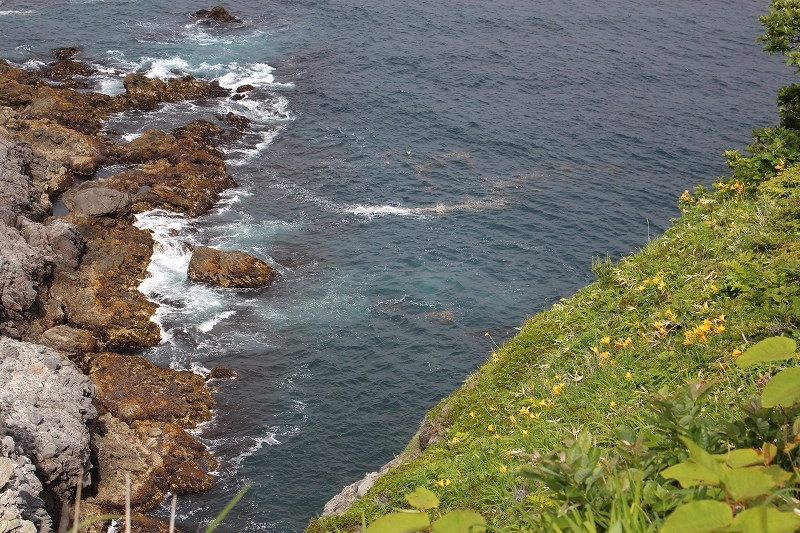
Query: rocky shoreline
x=71, y=404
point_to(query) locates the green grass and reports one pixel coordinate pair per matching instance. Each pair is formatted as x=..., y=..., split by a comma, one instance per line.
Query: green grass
x=725, y=275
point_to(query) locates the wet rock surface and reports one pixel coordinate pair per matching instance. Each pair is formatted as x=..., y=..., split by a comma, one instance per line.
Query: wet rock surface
x=229, y=269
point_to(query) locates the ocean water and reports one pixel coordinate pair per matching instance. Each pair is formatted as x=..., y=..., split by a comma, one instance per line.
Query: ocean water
x=420, y=173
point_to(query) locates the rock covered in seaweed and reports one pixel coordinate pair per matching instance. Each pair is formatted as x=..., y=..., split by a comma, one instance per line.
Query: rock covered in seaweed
x=229, y=269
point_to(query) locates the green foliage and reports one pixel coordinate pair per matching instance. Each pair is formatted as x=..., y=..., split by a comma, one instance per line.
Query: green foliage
x=782, y=30
x=743, y=489
x=789, y=106
x=419, y=519
x=603, y=268
x=771, y=150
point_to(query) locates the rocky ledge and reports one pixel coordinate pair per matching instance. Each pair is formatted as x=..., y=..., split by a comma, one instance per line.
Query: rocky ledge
x=71, y=410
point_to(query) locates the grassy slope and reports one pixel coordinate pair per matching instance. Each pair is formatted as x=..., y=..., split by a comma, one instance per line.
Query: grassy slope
x=730, y=260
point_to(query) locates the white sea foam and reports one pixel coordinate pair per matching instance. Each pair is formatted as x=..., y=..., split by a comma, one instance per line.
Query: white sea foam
x=209, y=324
x=14, y=12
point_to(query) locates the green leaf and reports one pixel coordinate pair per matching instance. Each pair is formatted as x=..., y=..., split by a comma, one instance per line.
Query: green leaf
x=690, y=474
x=460, y=522
x=400, y=523
x=702, y=457
x=746, y=483
x=701, y=516
x=422, y=499
x=227, y=509
x=743, y=457
x=771, y=349
x=766, y=520
x=783, y=389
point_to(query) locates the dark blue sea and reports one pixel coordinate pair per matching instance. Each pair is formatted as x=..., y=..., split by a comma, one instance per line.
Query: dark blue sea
x=420, y=173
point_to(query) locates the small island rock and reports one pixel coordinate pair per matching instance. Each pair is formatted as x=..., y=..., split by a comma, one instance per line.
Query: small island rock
x=218, y=13
x=229, y=269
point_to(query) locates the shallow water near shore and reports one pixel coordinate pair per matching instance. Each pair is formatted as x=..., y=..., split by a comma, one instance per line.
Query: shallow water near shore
x=419, y=174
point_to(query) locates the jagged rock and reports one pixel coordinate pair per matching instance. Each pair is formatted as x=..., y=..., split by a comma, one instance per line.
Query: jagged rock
x=60, y=239
x=18, y=195
x=340, y=503
x=24, y=272
x=45, y=402
x=69, y=341
x=92, y=199
x=22, y=509
x=119, y=450
x=67, y=67
x=101, y=297
x=237, y=121
x=186, y=460
x=132, y=388
x=216, y=13
x=65, y=52
x=145, y=93
x=229, y=269
x=244, y=88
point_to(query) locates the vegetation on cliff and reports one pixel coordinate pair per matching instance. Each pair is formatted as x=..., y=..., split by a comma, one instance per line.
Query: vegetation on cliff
x=672, y=318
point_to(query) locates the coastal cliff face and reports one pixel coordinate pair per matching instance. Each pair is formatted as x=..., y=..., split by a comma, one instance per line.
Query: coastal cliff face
x=71, y=410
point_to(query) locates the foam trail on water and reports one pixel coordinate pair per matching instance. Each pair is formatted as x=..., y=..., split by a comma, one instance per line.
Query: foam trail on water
x=209, y=324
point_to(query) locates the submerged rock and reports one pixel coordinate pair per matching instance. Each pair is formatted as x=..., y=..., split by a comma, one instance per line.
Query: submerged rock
x=229, y=269
x=65, y=52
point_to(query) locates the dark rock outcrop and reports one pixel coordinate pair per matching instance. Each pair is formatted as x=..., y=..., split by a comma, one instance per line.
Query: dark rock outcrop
x=67, y=68
x=18, y=194
x=216, y=13
x=65, y=52
x=229, y=269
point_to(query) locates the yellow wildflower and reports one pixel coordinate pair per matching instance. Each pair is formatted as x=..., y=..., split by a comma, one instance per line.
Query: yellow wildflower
x=497, y=436
x=685, y=196
x=524, y=432
x=613, y=376
x=613, y=404
x=719, y=329
x=534, y=416
x=472, y=414
x=628, y=375
x=524, y=410
x=737, y=352
x=604, y=355
x=444, y=482
x=670, y=315
x=714, y=287
x=605, y=340
x=455, y=440
x=595, y=349
x=490, y=428
x=503, y=469
x=542, y=403
x=557, y=389
x=493, y=407
x=513, y=420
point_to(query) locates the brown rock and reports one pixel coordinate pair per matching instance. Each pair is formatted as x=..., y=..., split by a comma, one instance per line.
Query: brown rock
x=237, y=121
x=67, y=68
x=119, y=450
x=216, y=13
x=145, y=93
x=229, y=269
x=132, y=388
x=83, y=165
x=65, y=52
x=244, y=88
x=70, y=341
x=102, y=296
x=220, y=372
x=186, y=459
